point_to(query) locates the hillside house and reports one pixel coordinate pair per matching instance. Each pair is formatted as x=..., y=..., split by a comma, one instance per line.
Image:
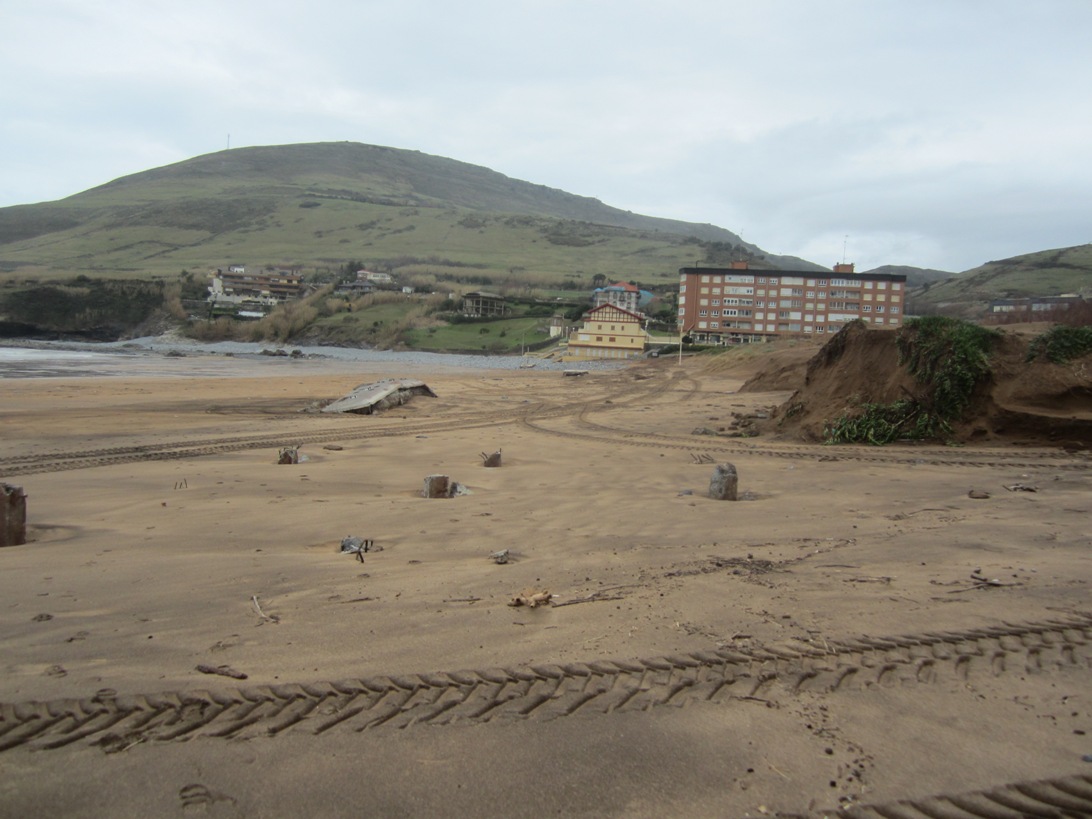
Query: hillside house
x=359, y=287
x=1033, y=305
x=738, y=305
x=484, y=305
x=608, y=331
x=239, y=287
x=620, y=294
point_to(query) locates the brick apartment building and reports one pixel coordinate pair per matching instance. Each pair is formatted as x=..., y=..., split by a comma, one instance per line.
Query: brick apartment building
x=739, y=305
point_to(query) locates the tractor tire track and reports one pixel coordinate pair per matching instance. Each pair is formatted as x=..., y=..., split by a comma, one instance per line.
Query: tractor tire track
x=1069, y=796
x=990, y=459
x=177, y=450
x=547, y=691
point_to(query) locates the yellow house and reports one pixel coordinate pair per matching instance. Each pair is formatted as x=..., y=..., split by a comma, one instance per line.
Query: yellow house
x=609, y=331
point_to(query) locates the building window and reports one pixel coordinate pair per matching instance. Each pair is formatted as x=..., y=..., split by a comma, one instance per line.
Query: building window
x=613, y=339
x=894, y=309
x=598, y=338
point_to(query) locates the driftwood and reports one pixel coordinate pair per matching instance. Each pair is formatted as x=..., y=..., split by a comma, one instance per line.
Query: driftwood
x=979, y=581
x=595, y=597
x=13, y=515
x=222, y=670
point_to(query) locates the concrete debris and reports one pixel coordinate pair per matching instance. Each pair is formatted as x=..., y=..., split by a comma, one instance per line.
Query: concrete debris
x=288, y=455
x=978, y=494
x=501, y=557
x=491, y=460
x=367, y=399
x=724, y=485
x=441, y=486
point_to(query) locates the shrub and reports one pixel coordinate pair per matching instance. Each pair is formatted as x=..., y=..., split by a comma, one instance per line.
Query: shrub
x=948, y=358
x=1060, y=344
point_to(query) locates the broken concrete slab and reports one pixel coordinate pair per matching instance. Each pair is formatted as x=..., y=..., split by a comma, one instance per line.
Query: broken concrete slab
x=367, y=399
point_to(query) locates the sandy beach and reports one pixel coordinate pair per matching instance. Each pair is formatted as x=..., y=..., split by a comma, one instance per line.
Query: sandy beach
x=182, y=636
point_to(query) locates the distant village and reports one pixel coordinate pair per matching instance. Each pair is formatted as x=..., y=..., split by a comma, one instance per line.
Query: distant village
x=716, y=306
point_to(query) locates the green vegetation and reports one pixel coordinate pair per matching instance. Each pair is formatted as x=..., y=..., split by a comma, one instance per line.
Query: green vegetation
x=948, y=358
x=880, y=424
x=1061, y=344
x=385, y=320
x=504, y=336
x=98, y=307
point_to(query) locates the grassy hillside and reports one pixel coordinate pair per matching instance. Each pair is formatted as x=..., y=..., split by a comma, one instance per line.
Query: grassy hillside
x=915, y=276
x=315, y=207
x=1046, y=273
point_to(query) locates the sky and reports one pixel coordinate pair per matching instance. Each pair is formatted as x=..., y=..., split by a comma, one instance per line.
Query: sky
x=932, y=133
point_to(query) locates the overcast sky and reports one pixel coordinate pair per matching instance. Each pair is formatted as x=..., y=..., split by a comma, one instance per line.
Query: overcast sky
x=932, y=133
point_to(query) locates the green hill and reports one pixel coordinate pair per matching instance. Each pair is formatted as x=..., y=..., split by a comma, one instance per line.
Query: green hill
x=315, y=207
x=915, y=276
x=1046, y=273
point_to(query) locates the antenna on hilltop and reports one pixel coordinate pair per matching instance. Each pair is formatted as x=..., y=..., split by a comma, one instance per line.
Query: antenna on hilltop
x=229, y=142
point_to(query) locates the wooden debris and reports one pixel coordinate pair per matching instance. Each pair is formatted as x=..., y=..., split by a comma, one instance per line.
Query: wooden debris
x=222, y=670
x=1021, y=487
x=493, y=460
x=13, y=515
x=980, y=581
x=594, y=597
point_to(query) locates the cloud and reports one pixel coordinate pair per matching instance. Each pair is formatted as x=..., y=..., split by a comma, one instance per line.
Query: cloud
x=938, y=134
